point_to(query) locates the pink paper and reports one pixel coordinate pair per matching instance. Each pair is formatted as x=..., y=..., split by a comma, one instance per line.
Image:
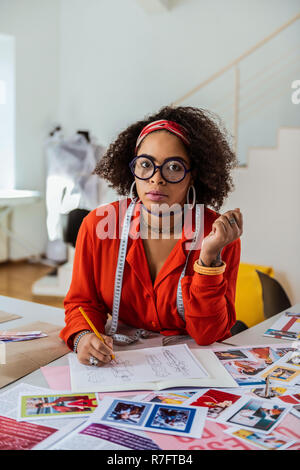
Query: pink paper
x=58, y=377
x=290, y=427
x=213, y=437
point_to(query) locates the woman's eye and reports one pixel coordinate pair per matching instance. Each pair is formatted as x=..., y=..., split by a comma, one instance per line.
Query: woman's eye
x=174, y=167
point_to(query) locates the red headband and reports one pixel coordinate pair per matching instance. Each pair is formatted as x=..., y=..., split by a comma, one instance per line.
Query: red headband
x=171, y=126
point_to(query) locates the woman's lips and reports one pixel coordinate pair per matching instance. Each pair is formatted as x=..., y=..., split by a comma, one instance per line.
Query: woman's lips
x=156, y=196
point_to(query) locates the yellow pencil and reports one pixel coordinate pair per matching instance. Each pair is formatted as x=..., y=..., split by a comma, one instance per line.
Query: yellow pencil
x=93, y=327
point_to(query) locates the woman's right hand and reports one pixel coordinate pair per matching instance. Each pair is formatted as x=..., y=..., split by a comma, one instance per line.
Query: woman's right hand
x=90, y=345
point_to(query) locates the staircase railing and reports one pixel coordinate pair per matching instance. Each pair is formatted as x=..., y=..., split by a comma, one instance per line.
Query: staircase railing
x=238, y=106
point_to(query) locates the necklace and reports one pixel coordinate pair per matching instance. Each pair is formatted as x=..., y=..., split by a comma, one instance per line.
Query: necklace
x=161, y=230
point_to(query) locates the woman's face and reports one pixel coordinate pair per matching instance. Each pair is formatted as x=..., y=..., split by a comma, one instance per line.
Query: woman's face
x=161, y=145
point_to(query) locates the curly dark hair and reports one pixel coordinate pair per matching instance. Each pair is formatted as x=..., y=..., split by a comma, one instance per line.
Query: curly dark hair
x=209, y=151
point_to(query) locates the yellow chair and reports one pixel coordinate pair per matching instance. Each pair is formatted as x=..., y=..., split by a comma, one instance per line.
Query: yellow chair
x=249, y=300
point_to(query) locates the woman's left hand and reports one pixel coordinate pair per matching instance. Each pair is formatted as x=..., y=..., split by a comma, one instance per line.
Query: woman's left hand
x=225, y=229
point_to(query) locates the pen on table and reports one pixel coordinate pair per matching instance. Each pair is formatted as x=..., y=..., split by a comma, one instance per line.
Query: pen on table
x=267, y=386
x=93, y=328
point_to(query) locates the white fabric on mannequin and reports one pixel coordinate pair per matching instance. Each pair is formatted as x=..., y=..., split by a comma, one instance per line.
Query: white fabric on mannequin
x=70, y=184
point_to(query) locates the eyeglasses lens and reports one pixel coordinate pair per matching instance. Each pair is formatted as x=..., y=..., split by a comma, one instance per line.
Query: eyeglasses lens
x=172, y=170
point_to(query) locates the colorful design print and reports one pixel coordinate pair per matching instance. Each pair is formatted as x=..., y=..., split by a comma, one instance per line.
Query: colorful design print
x=179, y=419
x=286, y=327
x=274, y=392
x=230, y=354
x=20, y=435
x=216, y=401
x=247, y=364
x=124, y=412
x=170, y=398
x=267, y=442
x=34, y=406
x=266, y=354
x=245, y=372
x=282, y=373
x=294, y=359
x=257, y=415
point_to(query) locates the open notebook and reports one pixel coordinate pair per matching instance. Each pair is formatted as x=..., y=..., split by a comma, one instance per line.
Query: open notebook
x=151, y=369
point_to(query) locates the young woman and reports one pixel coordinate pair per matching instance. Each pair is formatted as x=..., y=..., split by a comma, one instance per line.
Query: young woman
x=173, y=278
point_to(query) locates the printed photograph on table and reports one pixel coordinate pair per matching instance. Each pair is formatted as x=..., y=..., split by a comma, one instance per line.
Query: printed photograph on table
x=270, y=441
x=282, y=373
x=262, y=354
x=296, y=410
x=294, y=359
x=57, y=405
x=273, y=392
x=247, y=364
x=126, y=412
x=292, y=399
x=282, y=334
x=245, y=372
x=170, y=398
x=282, y=351
x=179, y=419
x=258, y=415
x=230, y=354
x=216, y=401
x=286, y=327
x=266, y=354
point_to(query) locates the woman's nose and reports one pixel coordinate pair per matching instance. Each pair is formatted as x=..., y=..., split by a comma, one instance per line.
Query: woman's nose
x=157, y=177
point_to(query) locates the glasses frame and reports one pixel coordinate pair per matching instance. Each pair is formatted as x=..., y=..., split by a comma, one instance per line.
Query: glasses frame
x=155, y=167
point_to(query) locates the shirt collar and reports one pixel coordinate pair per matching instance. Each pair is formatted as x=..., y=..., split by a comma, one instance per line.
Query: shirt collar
x=187, y=230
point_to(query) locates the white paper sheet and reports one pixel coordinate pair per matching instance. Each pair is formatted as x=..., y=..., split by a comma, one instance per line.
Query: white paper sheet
x=95, y=436
x=9, y=401
x=160, y=364
x=178, y=420
x=272, y=441
x=256, y=414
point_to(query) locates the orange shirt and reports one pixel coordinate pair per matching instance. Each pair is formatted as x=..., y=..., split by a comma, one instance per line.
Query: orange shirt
x=208, y=299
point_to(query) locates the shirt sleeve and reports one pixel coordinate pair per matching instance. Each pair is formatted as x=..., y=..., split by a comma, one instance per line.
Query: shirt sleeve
x=83, y=292
x=209, y=300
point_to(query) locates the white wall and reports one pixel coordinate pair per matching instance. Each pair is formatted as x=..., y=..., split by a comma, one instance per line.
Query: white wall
x=35, y=26
x=268, y=194
x=102, y=64
x=119, y=62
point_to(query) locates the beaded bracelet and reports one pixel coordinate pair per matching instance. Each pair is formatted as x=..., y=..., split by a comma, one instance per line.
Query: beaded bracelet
x=85, y=332
x=209, y=270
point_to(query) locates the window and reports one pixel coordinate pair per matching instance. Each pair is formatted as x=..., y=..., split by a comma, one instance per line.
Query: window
x=7, y=112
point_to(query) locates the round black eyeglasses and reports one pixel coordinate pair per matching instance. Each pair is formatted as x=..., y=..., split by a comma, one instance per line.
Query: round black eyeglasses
x=172, y=170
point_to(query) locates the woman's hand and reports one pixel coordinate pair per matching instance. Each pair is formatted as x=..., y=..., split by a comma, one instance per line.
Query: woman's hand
x=90, y=345
x=225, y=229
